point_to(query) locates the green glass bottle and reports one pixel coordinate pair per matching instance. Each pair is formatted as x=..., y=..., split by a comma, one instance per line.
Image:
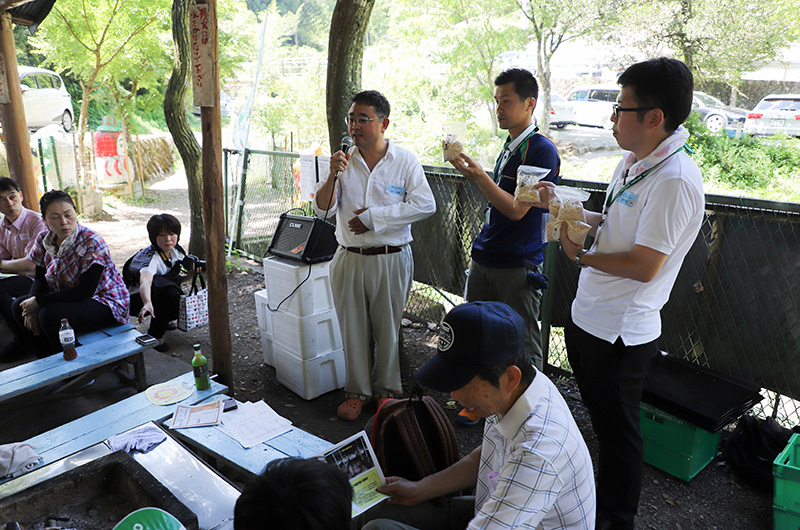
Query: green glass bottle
x=200, y=365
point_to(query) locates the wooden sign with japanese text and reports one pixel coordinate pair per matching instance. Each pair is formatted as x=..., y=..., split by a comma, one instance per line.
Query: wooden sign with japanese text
x=202, y=57
x=3, y=81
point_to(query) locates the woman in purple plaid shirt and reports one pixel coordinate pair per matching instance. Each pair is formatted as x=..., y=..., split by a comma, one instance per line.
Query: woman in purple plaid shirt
x=75, y=279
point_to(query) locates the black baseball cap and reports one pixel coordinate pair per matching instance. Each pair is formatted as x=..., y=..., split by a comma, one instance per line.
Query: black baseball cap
x=472, y=335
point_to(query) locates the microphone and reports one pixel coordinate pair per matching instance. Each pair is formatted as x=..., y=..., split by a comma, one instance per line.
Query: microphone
x=347, y=143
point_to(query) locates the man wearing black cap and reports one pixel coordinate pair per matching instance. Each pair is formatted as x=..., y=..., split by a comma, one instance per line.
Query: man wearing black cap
x=533, y=469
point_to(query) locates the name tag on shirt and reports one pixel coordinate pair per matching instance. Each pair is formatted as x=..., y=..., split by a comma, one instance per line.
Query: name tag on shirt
x=627, y=198
x=393, y=189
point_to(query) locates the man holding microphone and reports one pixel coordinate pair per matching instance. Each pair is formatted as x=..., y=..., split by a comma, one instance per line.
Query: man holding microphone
x=376, y=190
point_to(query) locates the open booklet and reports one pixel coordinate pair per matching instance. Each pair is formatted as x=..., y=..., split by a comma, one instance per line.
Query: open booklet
x=355, y=457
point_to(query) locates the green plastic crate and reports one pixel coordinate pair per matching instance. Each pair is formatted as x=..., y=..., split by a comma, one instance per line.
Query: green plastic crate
x=675, y=445
x=783, y=519
x=786, y=474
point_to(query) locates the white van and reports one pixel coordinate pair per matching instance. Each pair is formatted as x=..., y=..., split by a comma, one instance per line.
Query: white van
x=45, y=98
x=593, y=104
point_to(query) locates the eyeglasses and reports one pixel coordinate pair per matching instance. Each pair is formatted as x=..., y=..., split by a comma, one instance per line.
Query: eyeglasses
x=361, y=120
x=616, y=109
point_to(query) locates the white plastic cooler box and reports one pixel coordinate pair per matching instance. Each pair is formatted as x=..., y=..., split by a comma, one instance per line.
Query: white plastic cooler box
x=282, y=276
x=302, y=339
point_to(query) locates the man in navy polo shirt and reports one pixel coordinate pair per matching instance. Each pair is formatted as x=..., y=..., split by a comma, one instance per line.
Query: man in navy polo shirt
x=510, y=244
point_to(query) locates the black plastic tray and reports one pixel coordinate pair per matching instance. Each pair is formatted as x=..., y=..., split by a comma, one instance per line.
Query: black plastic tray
x=699, y=395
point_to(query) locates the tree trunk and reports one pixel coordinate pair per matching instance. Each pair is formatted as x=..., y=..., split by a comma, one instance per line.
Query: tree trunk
x=544, y=92
x=345, y=53
x=178, y=124
x=83, y=125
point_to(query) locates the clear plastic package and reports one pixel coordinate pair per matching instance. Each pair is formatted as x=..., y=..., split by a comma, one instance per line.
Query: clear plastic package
x=453, y=134
x=565, y=206
x=527, y=176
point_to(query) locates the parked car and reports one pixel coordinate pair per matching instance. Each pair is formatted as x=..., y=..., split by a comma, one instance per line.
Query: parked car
x=561, y=112
x=45, y=98
x=715, y=114
x=593, y=104
x=775, y=114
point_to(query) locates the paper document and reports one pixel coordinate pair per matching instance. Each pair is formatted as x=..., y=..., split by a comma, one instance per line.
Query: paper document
x=253, y=423
x=308, y=176
x=355, y=457
x=196, y=415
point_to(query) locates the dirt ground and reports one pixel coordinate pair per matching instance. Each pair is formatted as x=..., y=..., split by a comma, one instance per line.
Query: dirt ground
x=715, y=499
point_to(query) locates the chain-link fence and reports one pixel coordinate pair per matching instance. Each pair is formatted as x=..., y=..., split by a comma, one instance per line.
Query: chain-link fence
x=735, y=307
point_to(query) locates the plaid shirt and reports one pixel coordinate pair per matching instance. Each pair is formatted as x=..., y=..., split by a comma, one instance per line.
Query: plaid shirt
x=535, y=470
x=82, y=249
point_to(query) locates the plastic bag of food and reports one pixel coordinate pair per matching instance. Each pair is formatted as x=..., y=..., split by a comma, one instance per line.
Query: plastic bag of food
x=564, y=206
x=453, y=134
x=527, y=176
x=577, y=230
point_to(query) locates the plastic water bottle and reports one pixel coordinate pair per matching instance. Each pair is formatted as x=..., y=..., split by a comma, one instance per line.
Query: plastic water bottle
x=67, y=337
x=200, y=366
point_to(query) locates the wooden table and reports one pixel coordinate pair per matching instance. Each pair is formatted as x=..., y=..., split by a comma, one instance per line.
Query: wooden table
x=215, y=444
x=99, y=350
x=100, y=425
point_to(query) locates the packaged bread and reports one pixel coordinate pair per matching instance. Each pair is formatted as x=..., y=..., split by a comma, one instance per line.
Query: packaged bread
x=527, y=177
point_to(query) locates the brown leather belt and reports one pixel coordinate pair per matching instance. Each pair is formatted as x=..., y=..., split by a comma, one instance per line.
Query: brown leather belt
x=374, y=251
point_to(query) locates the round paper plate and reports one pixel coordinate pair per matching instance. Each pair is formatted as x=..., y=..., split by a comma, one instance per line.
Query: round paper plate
x=169, y=392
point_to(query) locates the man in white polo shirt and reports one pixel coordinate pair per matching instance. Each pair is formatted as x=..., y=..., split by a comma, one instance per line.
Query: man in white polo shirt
x=652, y=214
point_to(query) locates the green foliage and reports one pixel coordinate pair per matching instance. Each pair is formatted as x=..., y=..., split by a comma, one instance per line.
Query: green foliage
x=760, y=167
x=718, y=40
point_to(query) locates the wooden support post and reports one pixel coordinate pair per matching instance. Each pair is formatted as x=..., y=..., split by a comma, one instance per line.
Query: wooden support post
x=15, y=127
x=214, y=221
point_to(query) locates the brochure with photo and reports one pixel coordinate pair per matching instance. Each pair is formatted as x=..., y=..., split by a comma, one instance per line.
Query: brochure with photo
x=356, y=458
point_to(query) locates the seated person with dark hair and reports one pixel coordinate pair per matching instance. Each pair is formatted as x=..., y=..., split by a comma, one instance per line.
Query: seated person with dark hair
x=533, y=469
x=153, y=276
x=18, y=232
x=75, y=279
x=295, y=494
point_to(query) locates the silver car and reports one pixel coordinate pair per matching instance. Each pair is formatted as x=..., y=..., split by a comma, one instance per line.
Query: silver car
x=561, y=112
x=593, y=104
x=775, y=114
x=45, y=98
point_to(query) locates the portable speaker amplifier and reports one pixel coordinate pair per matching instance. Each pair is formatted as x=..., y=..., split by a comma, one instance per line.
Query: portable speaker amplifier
x=306, y=239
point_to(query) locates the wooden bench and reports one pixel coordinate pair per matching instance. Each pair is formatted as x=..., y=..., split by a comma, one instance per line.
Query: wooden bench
x=122, y=416
x=220, y=448
x=99, y=351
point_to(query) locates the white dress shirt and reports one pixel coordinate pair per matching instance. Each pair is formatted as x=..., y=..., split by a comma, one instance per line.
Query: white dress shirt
x=396, y=193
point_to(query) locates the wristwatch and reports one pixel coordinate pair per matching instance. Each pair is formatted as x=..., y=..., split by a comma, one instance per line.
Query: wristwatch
x=578, y=256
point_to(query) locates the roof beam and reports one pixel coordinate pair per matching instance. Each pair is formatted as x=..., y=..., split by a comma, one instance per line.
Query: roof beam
x=5, y=5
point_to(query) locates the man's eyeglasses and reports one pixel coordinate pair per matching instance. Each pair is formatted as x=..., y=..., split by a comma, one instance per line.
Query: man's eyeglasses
x=361, y=120
x=616, y=109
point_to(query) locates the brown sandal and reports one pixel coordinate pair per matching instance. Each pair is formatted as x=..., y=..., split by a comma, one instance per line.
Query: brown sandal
x=350, y=409
x=381, y=401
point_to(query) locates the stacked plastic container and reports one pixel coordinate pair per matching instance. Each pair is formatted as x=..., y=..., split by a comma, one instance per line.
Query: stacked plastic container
x=302, y=338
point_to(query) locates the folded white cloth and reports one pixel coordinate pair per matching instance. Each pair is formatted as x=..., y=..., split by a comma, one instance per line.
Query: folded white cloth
x=142, y=439
x=17, y=459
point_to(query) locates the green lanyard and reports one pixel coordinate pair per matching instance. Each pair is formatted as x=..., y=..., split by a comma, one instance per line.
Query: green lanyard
x=612, y=197
x=497, y=166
